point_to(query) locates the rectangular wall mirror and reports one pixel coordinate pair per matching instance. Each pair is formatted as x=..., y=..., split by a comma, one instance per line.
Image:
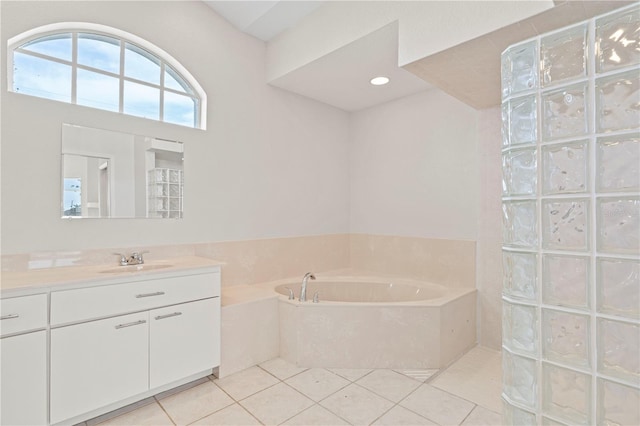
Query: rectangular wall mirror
x=108, y=174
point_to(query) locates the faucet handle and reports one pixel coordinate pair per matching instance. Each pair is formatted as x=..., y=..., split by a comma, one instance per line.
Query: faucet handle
x=291, y=295
x=123, y=259
x=138, y=256
x=316, y=297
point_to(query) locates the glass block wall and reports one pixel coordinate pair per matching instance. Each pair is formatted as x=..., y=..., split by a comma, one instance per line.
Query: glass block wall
x=571, y=224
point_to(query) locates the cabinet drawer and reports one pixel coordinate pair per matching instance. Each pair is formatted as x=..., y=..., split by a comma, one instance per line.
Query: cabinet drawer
x=20, y=314
x=104, y=301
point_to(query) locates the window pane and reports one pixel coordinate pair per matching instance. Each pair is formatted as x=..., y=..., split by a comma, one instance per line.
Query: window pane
x=99, y=51
x=42, y=78
x=141, y=100
x=58, y=46
x=141, y=65
x=172, y=80
x=179, y=109
x=98, y=90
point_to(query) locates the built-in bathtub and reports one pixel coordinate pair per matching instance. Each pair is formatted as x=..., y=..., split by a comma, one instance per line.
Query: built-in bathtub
x=374, y=322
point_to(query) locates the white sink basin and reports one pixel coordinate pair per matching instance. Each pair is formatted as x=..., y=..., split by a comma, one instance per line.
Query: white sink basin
x=134, y=268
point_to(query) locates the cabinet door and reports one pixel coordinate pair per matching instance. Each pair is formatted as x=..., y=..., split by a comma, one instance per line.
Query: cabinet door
x=23, y=386
x=98, y=363
x=184, y=340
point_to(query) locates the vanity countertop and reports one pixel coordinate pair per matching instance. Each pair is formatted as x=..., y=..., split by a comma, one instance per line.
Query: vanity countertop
x=33, y=281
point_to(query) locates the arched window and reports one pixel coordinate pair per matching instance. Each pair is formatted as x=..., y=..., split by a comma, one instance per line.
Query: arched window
x=102, y=67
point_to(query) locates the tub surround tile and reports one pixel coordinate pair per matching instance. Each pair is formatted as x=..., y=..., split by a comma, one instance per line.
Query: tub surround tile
x=480, y=416
x=400, y=416
x=195, y=403
x=447, y=262
x=255, y=261
x=233, y=415
x=249, y=334
x=276, y=404
x=356, y=404
x=437, y=405
x=317, y=383
x=281, y=368
x=316, y=416
x=476, y=376
x=246, y=382
x=389, y=384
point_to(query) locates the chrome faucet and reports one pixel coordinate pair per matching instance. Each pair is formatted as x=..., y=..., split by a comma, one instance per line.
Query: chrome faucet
x=134, y=259
x=303, y=289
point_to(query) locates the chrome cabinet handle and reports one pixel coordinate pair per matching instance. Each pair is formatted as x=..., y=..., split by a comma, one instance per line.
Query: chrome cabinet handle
x=175, y=314
x=10, y=316
x=157, y=293
x=130, y=324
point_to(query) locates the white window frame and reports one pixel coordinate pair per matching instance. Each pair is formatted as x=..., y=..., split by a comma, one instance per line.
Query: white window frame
x=14, y=44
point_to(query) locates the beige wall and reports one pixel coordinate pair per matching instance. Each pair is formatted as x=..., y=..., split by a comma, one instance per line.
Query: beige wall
x=270, y=164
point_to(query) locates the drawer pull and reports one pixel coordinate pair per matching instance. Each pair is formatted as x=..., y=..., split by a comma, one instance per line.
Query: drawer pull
x=175, y=314
x=130, y=324
x=10, y=316
x=157, y=293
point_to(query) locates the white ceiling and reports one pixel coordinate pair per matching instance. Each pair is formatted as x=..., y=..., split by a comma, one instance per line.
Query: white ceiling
x=263, y=19
x=341, y=78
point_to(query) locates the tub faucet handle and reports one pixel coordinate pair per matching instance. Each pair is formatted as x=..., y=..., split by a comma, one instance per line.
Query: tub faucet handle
x=123, y=259
x=291, y=295
x=316, y=298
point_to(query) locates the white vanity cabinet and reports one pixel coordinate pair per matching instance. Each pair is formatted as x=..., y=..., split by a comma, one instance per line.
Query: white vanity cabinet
x=158, y=333
x=181, y=340
x=97, y=363
x=23, y=357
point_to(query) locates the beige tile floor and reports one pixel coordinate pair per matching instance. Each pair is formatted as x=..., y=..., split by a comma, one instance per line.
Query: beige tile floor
x=277, y=392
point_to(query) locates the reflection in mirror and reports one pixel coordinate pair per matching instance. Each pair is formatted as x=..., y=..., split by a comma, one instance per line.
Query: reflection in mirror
x=113, y=174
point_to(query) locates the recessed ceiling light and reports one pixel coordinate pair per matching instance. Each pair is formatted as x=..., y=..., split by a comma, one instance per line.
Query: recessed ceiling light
x=379, y=81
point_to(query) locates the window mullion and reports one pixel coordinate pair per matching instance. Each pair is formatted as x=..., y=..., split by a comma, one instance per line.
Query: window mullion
x=74, y=67
x=121, y=82
x=161, y=90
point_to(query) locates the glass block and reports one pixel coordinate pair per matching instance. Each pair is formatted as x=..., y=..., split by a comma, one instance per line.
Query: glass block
x=617, y=42
x=618, y=163
x=519, y=379
x=619, y=225
x=565, y=168
x=519, y=274
x=519, y=172
x=563, y=55
x=618, y=102
x=522, y=120
x=617, y=404
x=565, y=280
x=174, y=176
x=519, y=223
x=565, y=337
x=565, y=224
x=505, y=124
x=566, y=394
x=519, y=327
x=515, y=416
x=564, y=112
x=618, y=344
x=174, y=190
x=519, y=68
x=618, y=287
